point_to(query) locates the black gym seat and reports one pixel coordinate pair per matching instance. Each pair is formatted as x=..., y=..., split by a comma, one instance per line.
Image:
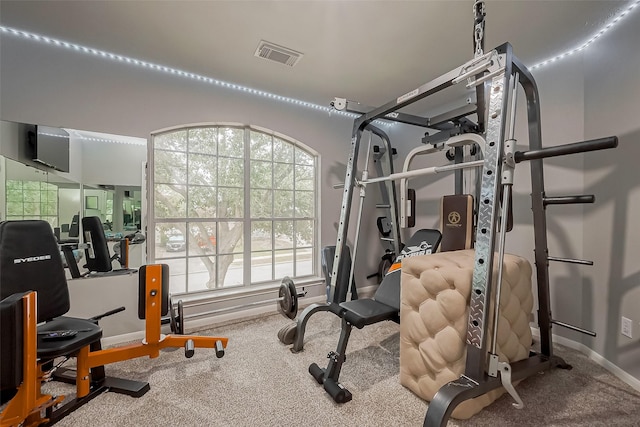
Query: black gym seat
x=385, y=305
x=30, y=260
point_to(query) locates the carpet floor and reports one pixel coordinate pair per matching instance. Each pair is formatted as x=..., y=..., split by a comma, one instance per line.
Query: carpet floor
x=259, y=382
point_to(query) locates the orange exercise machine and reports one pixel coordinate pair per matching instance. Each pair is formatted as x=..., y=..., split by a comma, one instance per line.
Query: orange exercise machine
x=30, y=407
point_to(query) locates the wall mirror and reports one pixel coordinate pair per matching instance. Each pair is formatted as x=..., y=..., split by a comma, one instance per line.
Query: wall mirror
x=105, y=179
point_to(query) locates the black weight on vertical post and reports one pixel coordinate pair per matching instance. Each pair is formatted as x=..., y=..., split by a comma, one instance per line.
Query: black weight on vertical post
x=288, y=298
x=172, y=317
x=180, y=319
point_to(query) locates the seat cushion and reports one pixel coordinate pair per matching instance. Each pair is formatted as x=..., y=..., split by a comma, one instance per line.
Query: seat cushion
x=88, y=332
x=364, y=312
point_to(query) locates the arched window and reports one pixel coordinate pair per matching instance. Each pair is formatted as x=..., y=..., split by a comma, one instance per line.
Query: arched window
x=231, y=206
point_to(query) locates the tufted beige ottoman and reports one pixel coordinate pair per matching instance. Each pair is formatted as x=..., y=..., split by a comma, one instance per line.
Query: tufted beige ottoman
x=435, y=295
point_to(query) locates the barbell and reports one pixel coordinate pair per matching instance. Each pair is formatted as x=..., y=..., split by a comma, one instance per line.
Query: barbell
x=287, y=305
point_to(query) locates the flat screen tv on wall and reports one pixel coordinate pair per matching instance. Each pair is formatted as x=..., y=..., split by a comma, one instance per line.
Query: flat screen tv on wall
x=49, y=146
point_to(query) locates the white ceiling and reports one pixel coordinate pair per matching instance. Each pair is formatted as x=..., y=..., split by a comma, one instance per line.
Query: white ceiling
x=369, y=51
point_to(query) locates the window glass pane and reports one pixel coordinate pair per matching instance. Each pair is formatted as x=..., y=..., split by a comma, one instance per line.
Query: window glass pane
x=52, y=196
x=171, y=240
x=304, y=204
x=31, y=185
x=304, y=233
x=31, y=196
x=282, y=151
x=177, y=275
x=230, y=237
x=303, y=158
x=176, y=141
x=282, y=203
x=202, y=202
x=261, y=236
x=170, y=167
x=202, y=169
x=14, y=208
x=203, y=140
x=261, y=201
x=261, y=266
x=199, y=180
x=230, y=203
x=170, y=201
x=304, y=262
x=231, y=142
x=231, y=172
x=230, y=270
x=283, y=232
x=49, y=209
x=32, y=208
x=283, y=176
x=304, y=178
x=284, y=263
x=260, y=146
x=202, y=238
x=261, y=174
x=202, y=273
x=14, y=188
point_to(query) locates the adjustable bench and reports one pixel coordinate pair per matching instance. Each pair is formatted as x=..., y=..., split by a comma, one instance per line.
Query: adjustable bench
x=385, y=305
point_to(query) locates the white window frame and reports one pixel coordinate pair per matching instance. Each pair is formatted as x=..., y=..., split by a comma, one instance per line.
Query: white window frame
x=247, y=219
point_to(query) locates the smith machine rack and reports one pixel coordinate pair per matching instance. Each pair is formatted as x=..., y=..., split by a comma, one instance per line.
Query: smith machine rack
x=495, y=77
x=339, y=291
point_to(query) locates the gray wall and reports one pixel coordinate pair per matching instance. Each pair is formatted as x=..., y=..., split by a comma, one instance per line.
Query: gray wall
x=611, y=228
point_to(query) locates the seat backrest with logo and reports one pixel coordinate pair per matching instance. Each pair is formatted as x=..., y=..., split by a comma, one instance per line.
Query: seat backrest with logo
x=30, y=260
x=456, y=222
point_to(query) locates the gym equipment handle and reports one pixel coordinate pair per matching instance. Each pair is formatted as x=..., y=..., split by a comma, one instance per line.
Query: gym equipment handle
x=563, y=150
x=108, y=313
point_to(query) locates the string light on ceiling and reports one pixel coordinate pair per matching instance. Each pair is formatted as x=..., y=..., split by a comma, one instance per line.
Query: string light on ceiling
x=615, y=21
x=185, y=74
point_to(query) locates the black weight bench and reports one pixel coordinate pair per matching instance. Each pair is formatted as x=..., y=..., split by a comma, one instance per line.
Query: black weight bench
x=385, y=305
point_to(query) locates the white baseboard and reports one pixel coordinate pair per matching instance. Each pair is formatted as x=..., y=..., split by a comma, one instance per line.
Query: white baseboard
x=594, y=356
x=211, y=321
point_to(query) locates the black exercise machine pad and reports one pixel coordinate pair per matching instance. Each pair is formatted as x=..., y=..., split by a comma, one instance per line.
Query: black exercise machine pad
x=385, y=304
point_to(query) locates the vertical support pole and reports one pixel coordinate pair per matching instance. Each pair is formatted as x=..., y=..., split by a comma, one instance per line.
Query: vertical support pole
x=388, y=188
x=30, y=334
x=486, y=228
x=345, y=210
x=537, y=206
x=153, y=306
x=83, y=373
x=459, y=174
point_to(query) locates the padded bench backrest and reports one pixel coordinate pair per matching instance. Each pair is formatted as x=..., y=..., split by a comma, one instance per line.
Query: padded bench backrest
x=142, y=294
x=97, y=254
x=30, y=260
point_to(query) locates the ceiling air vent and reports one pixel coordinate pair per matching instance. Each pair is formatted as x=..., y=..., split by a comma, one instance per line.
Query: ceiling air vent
x=273, y=52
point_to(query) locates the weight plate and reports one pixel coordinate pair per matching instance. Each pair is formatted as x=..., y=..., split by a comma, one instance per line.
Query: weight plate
x=294, y=300
x=287, y=335
x=288, y=299
x=180, y=319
